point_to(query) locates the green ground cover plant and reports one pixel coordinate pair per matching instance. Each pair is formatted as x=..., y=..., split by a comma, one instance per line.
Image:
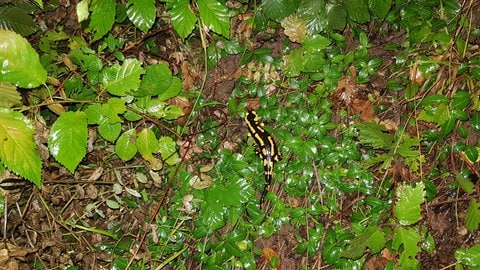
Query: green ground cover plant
x=129, y=123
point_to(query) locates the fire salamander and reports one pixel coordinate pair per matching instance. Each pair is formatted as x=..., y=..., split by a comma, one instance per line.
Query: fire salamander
x=267, y=149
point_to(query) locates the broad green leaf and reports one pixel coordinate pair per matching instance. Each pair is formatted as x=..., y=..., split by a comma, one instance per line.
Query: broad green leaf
x=409, y=239
x=112, y=109
x=119, y=80
x=472, y=218
x=215, y=16
x=19, y=62
x=183, y=19
x=109, y=131
x=147, y=144
x=374, y=134
x=465, y=183
x=357, y=10
x=168, y=151
x=316, y=43
x=469, y=257
x=212, y=214
x=409, y=199
x=337, y=16
x=372, y=240
x=17, y=146
x=17, y=19
x=405, y=147
x=94, y=114
x=102, y=18
x=10, y=95
x=142, y=13
x=68, y=139
x=279, y=9
x=447, y=127
x=156, y=108
x=380, y=7
x=173, y=112
x=126, y=147
x=293, y=63
x=157, y=80
x=173, y=90
x=461, y=99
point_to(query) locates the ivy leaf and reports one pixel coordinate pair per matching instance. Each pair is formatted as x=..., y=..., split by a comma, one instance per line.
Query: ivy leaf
x=374, y=134
x=20, y=62
x=17, y=147
x=142, y=13
x=68, y=139
x=472, y=218
x=372, y=238
x=157, y=79
x=126, y=147
x=147, y=144
x=102, y=18
x=215, y=16
x=118, y=80
x=407, y=207
x=409, y=239
x=183, y=19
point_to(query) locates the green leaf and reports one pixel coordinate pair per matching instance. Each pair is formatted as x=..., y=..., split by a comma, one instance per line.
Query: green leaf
x=19, y=62
x=82, y=10
x=126, y=147
x=407, y=207
x=142, y=13
x=409, y=239
x=17, y=146
x=147, y=144
x=10, y=95
x=118, y=80
x=447, y=127
x=102, y=18
x=16, y=19
x=372, y=238
x=471, y=152
x=279, y=9
x=109, y=131
x=337, y=16
x=293, y=63
x=173, y=112
x=380, y=8
x=172, y=91
x=374, y=134
x=357, y=10
x=168, y=151
x=461, y=99
x=472, y=218
x=67, y=141
x=469, y=257
x=465, y=183
x=157, y=79
x=183, y=19
x=315, y=43
x=112, y=109
x=215, y=16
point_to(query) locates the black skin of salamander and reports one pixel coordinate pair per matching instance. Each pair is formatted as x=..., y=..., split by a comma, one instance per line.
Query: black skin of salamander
x=267, y=149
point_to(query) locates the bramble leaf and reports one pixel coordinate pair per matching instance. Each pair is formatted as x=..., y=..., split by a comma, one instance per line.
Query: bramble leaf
x=472, y=218
x=17, y=147
x=118, y=80
x=407, y=207
x=68, y=139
